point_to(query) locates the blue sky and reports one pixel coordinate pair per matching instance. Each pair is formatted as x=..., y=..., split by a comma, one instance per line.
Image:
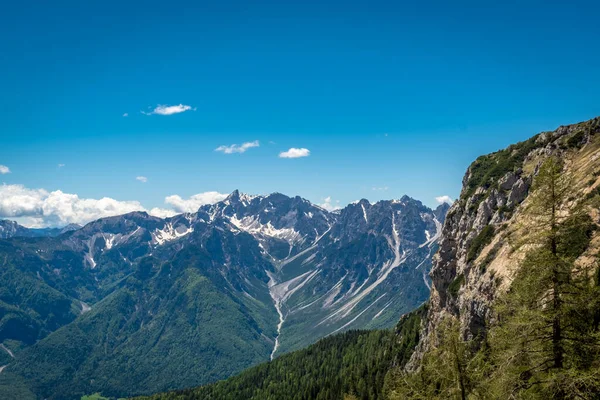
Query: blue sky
x=394, y=96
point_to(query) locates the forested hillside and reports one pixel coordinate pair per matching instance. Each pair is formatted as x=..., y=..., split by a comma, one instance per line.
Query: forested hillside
x=350, y=365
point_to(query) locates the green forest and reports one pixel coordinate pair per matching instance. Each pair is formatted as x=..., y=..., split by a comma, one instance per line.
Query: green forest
x=351, y=365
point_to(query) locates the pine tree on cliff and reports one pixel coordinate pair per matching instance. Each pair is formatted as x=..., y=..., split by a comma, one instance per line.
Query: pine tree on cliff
x=450, y=370
x=544, y=342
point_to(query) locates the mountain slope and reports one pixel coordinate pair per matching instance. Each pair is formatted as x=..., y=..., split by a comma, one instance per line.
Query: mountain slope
x=351, y=363
x=186, y=308
x=367, y=270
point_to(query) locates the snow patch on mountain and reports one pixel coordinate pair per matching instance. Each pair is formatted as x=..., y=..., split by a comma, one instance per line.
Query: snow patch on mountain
x=433, y=239
x=7, y=350
x=364, y=213
x=109, y=240
x=169, y=233
x=90, y=260
x=253, y=226
x=84, y=307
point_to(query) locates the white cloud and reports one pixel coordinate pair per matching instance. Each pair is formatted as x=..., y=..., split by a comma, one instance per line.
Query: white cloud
x=380, y=189
x=444, y=199
x=18, y=201
x=40, y=208
x=4, y=169
x=126, y=115
x=162, y=212
x=142, y=179
x=193, y=203
x=238, y=148
x=168, y=110
x=64, y=208
x=328, y=205
x=43, y=208
x=61, y=165
x=295, y=153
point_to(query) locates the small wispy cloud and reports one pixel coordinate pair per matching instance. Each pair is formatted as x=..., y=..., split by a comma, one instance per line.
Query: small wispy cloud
x=162, y=212
x=168, y=110
x=126, y=115
x=237, y=148
x=329, y=205
x=193, y=203
x=444, y=199
x=4, y=169
x=61, y=165
x=380, y=189
x=295, y=153
x=142, y=179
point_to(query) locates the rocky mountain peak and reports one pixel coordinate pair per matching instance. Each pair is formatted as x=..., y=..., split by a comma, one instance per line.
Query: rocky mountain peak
x=70, y=227
x=441, y=211
x=234, y=196
x=9, y=229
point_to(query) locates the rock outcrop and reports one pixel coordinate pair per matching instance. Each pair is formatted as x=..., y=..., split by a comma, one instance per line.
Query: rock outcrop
x=475, y=260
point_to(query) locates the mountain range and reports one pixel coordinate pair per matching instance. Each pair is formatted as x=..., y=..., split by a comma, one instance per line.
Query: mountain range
x=136, y=304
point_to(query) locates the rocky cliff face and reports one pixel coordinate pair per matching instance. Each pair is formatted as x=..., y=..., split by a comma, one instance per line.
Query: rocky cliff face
x=476, y=261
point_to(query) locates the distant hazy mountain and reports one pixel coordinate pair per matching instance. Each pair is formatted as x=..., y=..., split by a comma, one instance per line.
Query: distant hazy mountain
x=137, y=304
x=10, y=229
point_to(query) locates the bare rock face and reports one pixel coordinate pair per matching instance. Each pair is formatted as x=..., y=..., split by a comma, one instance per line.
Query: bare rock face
x=518, y=192
x=471, y=259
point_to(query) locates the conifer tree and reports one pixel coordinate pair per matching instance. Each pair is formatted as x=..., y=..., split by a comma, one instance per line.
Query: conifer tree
x=543, y=342
x=450, y=370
